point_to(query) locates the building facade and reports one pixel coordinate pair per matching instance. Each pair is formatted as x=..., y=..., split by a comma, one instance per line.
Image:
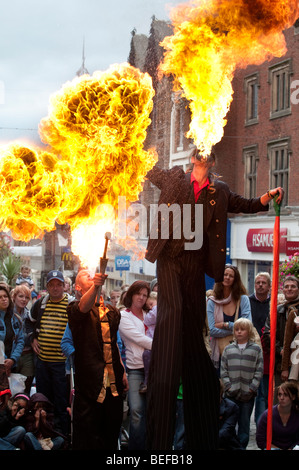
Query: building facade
x=260, y=148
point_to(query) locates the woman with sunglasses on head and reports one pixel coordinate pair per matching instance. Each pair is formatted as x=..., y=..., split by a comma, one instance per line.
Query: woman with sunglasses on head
x=228, y=303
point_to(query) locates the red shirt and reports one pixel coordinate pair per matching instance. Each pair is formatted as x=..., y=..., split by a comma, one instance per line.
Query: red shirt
x=197, y=188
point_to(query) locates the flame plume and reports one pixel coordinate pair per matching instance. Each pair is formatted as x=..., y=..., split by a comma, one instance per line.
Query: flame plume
x=94, y=136
x=211, y=39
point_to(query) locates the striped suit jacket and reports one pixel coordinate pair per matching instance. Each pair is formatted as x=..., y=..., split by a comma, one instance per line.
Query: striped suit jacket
x=220, y=200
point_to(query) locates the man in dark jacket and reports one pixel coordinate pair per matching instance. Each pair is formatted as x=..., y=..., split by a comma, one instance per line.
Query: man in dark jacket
x=260, y=300
x=182, y=261
x=291, y=293
x=100, y=378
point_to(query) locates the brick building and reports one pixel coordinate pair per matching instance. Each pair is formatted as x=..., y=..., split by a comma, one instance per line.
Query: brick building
x=258, y=149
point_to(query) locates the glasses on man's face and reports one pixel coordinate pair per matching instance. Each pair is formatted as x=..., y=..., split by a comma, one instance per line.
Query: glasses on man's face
x=3, y=297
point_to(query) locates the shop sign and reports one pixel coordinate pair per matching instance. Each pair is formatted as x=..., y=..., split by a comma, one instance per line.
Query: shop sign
x=292, y=248
x=261, y=240
x=122, y=263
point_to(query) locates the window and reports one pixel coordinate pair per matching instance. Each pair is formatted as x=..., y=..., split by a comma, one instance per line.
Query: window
x=279, y=79
x=250, y=158
x=251, y=86
x=178, y=123
x=279, y=155
x=180, y=120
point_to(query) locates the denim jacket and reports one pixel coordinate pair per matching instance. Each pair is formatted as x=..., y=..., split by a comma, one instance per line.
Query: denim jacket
x=18, y=340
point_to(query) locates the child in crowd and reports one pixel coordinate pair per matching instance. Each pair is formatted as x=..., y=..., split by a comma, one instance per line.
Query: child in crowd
x=241, y=372
x=41, y=434
x=149, y=323
x=12, y=422
x=25, y=279
x=24, y=276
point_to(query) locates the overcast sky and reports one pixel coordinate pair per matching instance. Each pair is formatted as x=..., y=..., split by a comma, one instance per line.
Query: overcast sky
x=41, y=48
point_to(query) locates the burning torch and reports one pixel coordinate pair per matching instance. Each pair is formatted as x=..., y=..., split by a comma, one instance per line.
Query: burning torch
x=103, y=265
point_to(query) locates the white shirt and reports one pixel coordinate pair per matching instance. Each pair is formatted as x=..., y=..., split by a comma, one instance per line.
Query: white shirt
x=132, y=332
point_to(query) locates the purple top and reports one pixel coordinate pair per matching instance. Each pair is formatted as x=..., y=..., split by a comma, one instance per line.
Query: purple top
x=150, y=322
x=284, y=437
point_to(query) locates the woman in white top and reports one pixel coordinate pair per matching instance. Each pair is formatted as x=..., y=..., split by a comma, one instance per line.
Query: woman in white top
x=228, y=303
x=132, y=332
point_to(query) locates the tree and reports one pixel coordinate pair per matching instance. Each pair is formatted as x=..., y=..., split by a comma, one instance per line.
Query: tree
x=10, y=267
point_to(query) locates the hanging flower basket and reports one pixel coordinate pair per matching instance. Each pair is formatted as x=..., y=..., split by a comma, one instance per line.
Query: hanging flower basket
x=289, y=267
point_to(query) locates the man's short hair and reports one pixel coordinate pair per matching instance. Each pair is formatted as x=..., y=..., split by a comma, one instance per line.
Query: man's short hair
x=265, y=274
x=291, y=278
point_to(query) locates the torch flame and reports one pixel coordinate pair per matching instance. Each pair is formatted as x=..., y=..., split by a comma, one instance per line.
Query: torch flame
x=93, y=136
x=211, y=39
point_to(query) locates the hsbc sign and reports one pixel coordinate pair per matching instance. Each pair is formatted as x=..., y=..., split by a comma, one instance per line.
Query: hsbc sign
x=261, y=240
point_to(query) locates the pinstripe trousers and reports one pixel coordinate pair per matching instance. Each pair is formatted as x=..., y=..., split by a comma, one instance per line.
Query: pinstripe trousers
x=178, y=351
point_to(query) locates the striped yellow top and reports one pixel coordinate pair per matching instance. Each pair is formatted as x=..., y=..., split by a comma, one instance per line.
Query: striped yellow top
x=53, y=323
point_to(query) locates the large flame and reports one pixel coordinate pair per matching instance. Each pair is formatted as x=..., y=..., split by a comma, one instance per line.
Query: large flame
x=94, y=136
x=211, y=39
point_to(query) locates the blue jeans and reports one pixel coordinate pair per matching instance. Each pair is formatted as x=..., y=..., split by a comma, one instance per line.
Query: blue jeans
x=32, y=442
x=261, y=401
x=137, y=404
x=13, y=438
x=245, y=411
x=179, y=434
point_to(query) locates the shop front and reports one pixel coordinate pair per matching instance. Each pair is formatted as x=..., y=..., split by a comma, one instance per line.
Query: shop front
x=252, y=244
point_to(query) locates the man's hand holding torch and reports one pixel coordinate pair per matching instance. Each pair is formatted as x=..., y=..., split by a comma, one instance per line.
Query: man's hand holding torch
x=99, y=279
x=91, y=288
x=90, y=296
